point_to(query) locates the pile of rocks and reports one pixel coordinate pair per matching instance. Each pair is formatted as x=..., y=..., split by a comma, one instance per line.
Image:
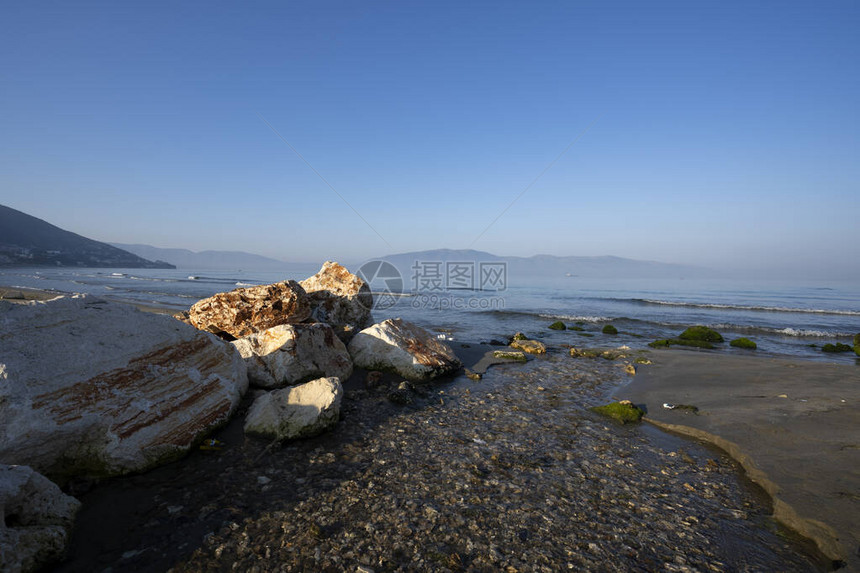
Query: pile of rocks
x=91, y=388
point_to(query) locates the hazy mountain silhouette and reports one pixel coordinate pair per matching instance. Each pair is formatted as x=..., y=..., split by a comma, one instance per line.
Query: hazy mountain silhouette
x=26, y=241
x=521, y=269
x=208, y=260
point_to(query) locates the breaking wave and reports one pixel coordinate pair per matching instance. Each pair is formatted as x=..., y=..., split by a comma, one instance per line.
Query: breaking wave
x=718, y=306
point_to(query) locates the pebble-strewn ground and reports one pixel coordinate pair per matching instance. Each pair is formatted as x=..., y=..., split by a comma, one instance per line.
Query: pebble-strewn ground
x=511, y=473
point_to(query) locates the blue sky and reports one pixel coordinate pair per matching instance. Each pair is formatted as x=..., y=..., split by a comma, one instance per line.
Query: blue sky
x=721, y=133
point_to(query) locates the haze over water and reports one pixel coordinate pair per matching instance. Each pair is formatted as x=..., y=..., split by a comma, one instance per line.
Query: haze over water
x=783, y=318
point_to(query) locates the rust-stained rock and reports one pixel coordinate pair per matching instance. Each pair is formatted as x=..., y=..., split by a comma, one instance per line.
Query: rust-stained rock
x=290, y=354
x=339, y=298
x=247, y=310
x=402, y=347
x=37, y=519
x=96, y=388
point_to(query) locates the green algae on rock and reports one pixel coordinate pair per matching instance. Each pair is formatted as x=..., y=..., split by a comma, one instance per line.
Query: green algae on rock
x=558, y=325
x=506, y=355
x=585, y=352
x=838, y=347
x=609, y=329
x=701, y=333
x=667, y=342
x=743, y=343
x=623, y=411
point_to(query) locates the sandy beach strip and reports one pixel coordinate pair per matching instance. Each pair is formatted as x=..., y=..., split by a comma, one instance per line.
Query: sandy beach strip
x=793, y=425
x=23, y=295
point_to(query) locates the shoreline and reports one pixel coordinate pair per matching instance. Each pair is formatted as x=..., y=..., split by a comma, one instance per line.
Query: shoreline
x=478, y=357
x=792, y=425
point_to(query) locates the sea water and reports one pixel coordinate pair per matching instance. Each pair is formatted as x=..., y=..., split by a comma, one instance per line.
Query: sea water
x=783, y=318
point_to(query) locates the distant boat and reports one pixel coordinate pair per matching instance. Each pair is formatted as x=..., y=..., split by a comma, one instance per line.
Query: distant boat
x=570, y=275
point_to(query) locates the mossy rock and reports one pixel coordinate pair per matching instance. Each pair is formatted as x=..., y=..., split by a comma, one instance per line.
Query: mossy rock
x=585, y=352
x=558, y=325
x=701, y=333
x=624, y=412
x=667, y=342
x=585, y=334
x=576, y=328
x=612, y=355
x=743, y=343
x=838, y=347
x=519, y=336
x=857, y=344
x=687, y=408
x=609, y=329
x=505, y=355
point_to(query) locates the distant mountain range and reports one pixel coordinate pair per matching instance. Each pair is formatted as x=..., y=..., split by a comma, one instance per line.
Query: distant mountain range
x=518, y=269
x=26, y=241
x=523, y=269
x=208, y=260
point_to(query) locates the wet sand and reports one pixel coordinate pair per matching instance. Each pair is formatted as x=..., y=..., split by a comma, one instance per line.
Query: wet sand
x=793, y=425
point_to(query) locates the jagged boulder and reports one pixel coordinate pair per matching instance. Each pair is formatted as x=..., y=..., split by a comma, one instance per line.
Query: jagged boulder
x=297, y=412
x=247, y=310
x=37, y=519
x=339, y=298
x=289, y=354
x=402, y=347
x=96, y=388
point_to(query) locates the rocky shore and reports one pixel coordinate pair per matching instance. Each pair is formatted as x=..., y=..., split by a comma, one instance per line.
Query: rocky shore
x=274, y=428
x=511, y=473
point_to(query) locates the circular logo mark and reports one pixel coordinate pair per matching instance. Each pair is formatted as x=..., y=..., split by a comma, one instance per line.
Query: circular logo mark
x=384, y=281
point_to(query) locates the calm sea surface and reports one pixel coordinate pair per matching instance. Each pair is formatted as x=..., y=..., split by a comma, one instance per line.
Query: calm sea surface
x=784, y=318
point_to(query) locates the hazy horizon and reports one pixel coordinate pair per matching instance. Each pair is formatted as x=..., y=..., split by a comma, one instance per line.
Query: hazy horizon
x=719, y=135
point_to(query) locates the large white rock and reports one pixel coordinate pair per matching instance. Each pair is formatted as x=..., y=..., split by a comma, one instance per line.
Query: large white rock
x=298, y=412
x=339, y=298
x=96, y=388
x=403, y=347
x=289, y=354
x=37, y=519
